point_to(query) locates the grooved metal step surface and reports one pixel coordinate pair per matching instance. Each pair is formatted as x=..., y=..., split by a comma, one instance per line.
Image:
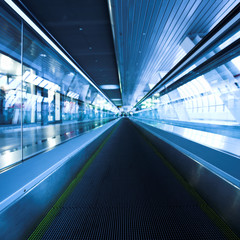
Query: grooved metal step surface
x=128, y=193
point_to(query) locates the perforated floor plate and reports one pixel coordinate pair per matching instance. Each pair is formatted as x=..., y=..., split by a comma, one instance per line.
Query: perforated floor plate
x=128, y=193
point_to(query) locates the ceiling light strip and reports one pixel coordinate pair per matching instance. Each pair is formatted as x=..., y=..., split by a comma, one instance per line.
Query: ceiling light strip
x=115, y=44
x=52, y=44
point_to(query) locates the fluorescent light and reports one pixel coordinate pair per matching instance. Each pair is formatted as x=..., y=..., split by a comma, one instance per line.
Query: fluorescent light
x=43, y=83
x=73, y=95
x=30, y=78
x=26, y=75
x=37, y=80
x=69, y=94
x=109, y=87
x=49, y=85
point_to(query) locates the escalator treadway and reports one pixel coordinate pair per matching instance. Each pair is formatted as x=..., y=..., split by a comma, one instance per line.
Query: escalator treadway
x=128, y=192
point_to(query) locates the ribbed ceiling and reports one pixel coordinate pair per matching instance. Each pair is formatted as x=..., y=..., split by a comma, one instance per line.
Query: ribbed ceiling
x=148, y=35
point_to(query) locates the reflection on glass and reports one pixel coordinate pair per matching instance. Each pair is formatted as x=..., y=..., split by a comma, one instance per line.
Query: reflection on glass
x=58, y=102
x=205, y=138
x=49, y=99
x=206, y=108
x=10, y=89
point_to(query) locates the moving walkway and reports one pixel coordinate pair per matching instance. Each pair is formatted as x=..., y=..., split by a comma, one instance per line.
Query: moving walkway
x=127, y=190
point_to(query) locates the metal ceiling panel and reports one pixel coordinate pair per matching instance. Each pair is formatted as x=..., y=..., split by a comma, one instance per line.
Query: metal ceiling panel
x=148, y=36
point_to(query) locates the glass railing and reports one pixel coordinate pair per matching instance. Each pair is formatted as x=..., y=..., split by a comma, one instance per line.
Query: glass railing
x=45, y=98
x=202, y=103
